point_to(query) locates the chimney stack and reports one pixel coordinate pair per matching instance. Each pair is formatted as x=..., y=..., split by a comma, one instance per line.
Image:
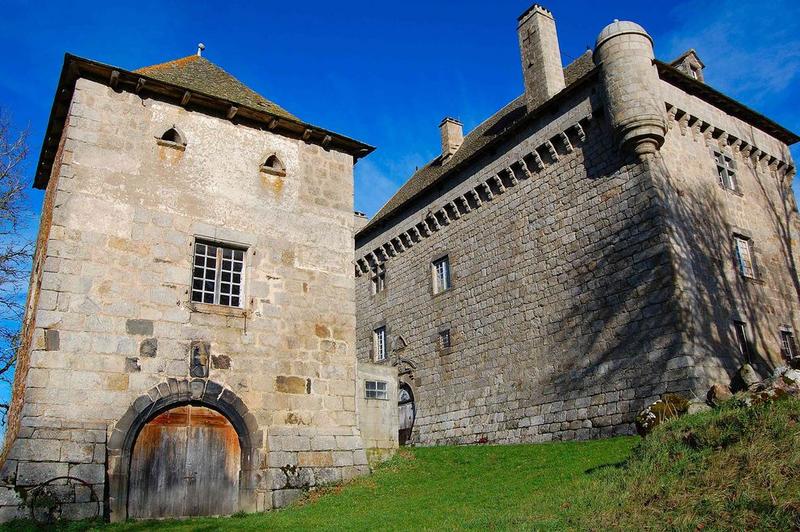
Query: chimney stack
x=541, y=57
x=452, y=136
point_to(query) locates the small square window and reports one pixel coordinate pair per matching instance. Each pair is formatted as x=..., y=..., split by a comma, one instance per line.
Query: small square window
x=788, y=348
x=441, y=274
x=742, y=340
x=744, y=258
x=726, y=171
x=379, y=343
x=218, y=274
x=444, y=339
x=378, y=278
x=375, y=390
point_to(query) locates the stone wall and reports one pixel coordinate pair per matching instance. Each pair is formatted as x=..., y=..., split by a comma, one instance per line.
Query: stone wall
x=704, y=218
x=114, y=324
x=377, y=418
x=562, y=311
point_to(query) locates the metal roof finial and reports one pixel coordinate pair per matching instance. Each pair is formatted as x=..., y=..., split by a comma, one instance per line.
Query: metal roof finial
x=200, y=48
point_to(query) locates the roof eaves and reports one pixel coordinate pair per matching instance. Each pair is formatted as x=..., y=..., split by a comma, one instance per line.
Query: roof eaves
x=697, y=88
x=75, y=67
x=380, y=221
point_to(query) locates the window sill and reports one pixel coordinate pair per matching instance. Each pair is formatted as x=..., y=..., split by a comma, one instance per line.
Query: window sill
x=220, y=310
x=376, y=398
x=442, y=292
x=170, y=144
x=754, y=280
x=272, y=171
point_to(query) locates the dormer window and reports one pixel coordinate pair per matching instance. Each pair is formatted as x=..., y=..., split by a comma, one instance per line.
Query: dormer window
x=273, y=165
x=690, y=64
x=172, y=138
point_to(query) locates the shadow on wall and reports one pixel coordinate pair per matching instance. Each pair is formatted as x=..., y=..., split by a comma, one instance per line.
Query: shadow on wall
x=623, y=327
x=622, y=314
x=718, y=294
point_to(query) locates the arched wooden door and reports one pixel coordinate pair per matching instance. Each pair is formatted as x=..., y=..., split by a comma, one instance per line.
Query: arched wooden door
x=185, y=462
x=407, y=412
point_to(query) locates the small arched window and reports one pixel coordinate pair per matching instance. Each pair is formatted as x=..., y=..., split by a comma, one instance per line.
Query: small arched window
x=173, y=138
x=273, y=165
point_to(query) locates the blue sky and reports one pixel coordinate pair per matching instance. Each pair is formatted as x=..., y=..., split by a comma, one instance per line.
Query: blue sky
x=385, y=72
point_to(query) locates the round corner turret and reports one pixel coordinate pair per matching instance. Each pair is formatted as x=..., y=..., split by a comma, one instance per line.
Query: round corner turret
x=618, y=28
x=624, y=51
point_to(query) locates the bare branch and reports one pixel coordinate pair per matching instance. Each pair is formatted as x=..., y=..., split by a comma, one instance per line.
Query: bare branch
x=15, y=251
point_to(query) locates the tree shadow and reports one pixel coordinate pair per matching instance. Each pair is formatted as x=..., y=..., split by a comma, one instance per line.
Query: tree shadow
x=655, y=292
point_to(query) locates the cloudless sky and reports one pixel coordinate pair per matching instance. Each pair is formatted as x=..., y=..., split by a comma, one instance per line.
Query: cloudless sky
x=384, y=73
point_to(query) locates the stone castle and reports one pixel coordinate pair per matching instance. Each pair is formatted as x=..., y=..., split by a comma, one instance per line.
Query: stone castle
x=196, y=341
x=618, y=231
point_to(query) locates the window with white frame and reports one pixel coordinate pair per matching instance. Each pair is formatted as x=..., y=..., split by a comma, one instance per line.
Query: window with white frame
x=788, y=349
x=379, y=343
x=742, y=339
x=375, y=390
x=726, y=171
x=744, y=256
x=378, y=278
x=218, y=274
x=441, y=274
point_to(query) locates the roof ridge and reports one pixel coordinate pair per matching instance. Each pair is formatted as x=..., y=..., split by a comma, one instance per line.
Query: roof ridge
x=494, y=126
x=198, y=74
x=145, y=69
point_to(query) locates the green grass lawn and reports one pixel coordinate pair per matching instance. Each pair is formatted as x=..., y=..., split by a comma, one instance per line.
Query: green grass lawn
x=434, y=488
x=734, y=468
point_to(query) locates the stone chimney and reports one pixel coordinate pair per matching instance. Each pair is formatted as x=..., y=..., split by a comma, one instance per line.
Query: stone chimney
x=360, y=220
x=541, y=57
x=452, y=136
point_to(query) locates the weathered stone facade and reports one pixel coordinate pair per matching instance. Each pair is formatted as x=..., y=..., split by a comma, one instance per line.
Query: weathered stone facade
x=112, y=324
x=591, y=253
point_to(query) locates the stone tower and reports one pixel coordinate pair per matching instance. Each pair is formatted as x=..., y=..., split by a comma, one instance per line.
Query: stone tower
x=190, y=326
x=624, y=52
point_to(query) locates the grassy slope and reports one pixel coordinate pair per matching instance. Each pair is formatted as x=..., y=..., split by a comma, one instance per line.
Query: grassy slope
x=431, y=488
x=732, y=469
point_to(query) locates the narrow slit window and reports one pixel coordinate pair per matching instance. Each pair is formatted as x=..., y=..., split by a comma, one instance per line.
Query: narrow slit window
x=378, y=278
x=444, y=339
x=379, y=343
x=441, y=275
x=744, y=257
x=375, y=390
x=218, y=275
x=788, y=349
x=742, y=339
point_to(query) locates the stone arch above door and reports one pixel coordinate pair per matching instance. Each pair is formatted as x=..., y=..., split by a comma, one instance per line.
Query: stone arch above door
x=167, y=395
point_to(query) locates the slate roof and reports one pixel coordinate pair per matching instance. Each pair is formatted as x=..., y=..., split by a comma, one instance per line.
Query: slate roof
x=490, y=129
x=198, y=74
